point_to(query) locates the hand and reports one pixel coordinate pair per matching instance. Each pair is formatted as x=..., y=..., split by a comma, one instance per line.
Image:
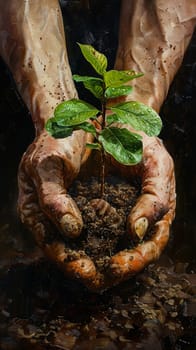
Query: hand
x=155, y=206
x=46, y=170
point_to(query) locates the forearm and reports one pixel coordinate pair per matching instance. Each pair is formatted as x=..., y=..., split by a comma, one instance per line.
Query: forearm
x=153, y=38
x=32, y=43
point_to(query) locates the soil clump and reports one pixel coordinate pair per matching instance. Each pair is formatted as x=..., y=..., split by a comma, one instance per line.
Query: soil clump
x=104, y=232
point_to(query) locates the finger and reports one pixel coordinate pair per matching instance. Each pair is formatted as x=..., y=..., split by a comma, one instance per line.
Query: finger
x=128, y=263
x=80, y=265
x=49, y=177
x=28, y=208
x=158, y=186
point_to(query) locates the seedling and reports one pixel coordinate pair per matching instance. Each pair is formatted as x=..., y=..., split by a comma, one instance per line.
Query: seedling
x=123, y=145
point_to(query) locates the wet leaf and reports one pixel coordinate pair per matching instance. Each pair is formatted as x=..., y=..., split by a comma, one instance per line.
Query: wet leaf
x=74, y=112
x=88, y=127
x=138, y=115
x=114, y=78
x=112, y=92
x=57, y=131
x=123, y=145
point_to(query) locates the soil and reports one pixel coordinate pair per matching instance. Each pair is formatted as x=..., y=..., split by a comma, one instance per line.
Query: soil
x=104, y=232
x=40, y=309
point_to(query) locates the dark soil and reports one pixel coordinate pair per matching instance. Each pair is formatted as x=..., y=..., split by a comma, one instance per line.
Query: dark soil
x=104, y=231
x=40, y=309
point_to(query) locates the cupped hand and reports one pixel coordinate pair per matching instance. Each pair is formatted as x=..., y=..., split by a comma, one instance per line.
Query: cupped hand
x=154, y=210
x=46, y=171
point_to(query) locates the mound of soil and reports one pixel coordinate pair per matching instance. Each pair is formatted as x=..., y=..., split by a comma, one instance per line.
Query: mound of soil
x=104, y=231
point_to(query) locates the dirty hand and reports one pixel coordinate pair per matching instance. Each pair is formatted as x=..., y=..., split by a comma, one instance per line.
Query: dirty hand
x=32, y=43
x=147, y=43
x=46, y=170
x=155, y=206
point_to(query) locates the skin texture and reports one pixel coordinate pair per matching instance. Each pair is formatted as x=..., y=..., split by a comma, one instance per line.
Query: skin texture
x=32, y=43
x=155, y=44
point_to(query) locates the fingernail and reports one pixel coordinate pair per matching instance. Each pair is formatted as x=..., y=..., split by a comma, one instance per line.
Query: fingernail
x=141, y=226
x=70, y=226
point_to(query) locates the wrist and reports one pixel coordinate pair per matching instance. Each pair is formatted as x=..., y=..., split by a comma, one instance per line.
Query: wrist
x=43, y=100
x=150, y=88
x=33, y=46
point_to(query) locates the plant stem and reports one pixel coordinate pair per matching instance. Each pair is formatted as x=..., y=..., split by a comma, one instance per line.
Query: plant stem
x=102, y=171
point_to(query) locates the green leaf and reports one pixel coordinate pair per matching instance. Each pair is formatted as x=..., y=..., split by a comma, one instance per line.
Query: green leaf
x=84, y=78
x=123, y=145
x=112, y=92
x=74, y=112
x=86, y=127
x=139, y=116
x=97, y=60
x=93, y=146
x=112, y=118
x=114, y=78
x=96, y=87
x=57, y=131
